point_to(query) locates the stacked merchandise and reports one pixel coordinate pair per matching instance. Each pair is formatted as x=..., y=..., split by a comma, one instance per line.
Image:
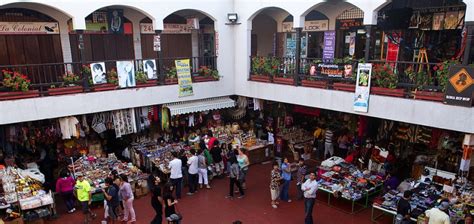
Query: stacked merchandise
x=154, y=155
x=345, y=178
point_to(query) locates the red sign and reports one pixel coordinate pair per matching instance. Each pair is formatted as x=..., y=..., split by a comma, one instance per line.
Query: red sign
x=393, y=47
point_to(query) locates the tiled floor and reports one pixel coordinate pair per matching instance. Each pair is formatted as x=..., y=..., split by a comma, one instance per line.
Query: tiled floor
x=211, y=206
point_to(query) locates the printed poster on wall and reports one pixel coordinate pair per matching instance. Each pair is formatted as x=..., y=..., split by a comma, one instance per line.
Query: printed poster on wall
x=352, y=43
x=438, y=21
x=126, y=74
x=362, y=91
x=329, y=45
x=115, y=20
x=460, y=86
x=98, y=73
x=451, y=20
x=149, y=67
x=185, y=82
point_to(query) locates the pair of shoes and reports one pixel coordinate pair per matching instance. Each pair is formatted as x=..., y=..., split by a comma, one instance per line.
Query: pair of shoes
x=70, y=211
x=241, y=196
x=274, y=206
x=189, y=193
x=228, y=196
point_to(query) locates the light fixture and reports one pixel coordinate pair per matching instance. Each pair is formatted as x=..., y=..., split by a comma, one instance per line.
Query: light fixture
x=232, y=17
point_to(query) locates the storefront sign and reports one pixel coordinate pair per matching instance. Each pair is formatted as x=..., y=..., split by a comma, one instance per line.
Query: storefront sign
x=157, y=43
x=329, y=45
x=346, y=24
x=460, y=86
x=331, y=70
x=29, y=28
x=362, y=91
x=185, y=82
x=309, y=26
x=147, y=28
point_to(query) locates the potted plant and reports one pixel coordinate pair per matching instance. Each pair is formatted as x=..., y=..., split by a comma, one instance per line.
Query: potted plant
x=258, y=72
x=69, y=85
x=206, y=74
x=272, y=67
x=142, y=79
x=171, y=77
x=112, y=81
x=442, y=73
x=18, y=85
x=385, y=81
x=421, y=80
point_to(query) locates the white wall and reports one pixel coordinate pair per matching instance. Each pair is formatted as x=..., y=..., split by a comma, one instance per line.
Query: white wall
x=264, y=27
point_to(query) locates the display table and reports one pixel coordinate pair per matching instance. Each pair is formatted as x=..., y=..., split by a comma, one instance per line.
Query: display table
x=259, y=153
x=354, y=201
x=383, y=211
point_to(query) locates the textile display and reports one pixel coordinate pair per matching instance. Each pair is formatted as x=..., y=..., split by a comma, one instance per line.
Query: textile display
x=68, y=127
x=124, y=122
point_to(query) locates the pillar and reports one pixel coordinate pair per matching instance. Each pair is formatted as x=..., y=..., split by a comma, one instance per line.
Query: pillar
x=368, y=41
x=469, y=42
x=159, y=70
x=195, y=49
x=297, y=54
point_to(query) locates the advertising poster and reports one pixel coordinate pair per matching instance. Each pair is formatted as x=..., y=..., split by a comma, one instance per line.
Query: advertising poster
x=149, y=66
x=451, y=20
x=185, y=82
x=126, y=74
x=393, y=48
x=329, y=45
x=438, y=21
x=362, y=91
x=115, y=20
x=460, y=86
x=98, y=73
x=352, y=43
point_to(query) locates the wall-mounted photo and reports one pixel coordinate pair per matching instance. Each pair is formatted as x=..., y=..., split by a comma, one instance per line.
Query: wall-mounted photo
x=149, y=67
x=126, y=73
x=98, y=73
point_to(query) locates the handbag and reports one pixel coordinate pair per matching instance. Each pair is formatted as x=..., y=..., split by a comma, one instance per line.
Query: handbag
x=98, y=124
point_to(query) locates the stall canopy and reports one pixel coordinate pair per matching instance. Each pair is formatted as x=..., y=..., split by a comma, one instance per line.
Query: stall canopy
x=200, y=105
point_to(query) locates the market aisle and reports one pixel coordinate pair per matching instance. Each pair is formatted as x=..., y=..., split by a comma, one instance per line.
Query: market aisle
x=211, y=206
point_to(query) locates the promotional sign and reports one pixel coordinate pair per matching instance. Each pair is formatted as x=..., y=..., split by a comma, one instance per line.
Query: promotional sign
x=331, y=70
x=147, y=28
x=329, y=45
x=115, y=20
x=29, y=28
x=185, y=82
x=98, y=73
x=157, y=43
x=126, y=74
x=438, y=21
x=345, y=24
x=149, y=67
x=309, y=26
x=467, y=147
x=460, y=86
x=393, y=48
x=362, y=91
x=352, y=43
x=193, y=23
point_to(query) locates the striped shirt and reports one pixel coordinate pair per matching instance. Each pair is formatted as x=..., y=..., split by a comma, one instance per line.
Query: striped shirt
x=328, y=136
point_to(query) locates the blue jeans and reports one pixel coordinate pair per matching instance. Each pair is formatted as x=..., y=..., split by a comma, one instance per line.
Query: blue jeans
x=177, y=185
x=284, y=190
x=308, y=210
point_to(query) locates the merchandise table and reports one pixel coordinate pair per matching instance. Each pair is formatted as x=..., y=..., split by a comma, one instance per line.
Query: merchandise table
x=374, y=216
x=259, y=153
x=355, y=201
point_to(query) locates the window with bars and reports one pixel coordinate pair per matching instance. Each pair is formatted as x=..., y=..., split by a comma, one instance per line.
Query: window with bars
x=353, y=13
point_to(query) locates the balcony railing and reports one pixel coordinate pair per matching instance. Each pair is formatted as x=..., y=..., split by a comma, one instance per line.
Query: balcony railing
x=69, y=78
x=400, y=79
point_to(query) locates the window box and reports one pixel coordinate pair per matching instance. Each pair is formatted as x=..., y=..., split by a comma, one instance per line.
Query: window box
x=65, y=90
x=283, y=80
x=315, y=83
x=104, y=87
x=387, y=91
x=18, y=95
x=148, y=83
x=428, y=95
x=348, y=87
x=260, y=78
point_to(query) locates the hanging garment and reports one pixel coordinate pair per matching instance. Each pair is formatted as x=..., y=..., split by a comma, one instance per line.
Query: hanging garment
x=191, y=120
x=64, y=124
x=84, y=124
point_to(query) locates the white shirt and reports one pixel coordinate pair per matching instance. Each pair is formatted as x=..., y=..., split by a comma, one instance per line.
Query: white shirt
x=437, y=216
x=193, y=164
x=271, y=138
x=313, y=187
x=175, y=166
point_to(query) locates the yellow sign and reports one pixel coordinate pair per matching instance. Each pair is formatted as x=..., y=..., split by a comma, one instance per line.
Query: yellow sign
x=185, y=82
x=461, y=80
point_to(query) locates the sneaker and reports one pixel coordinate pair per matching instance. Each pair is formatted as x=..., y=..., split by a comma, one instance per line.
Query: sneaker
x=189, y=193
x=73, y=209
x=70, y=211
x=208, y=187
x=93, y=215
x=200, y=186
x=289, y=200
x=228, y=196
x=274, y=206
x=241, y=196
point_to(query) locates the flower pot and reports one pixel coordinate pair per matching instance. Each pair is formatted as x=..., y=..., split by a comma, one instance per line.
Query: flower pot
x=148, y=83
x=428, y=95
x=104, y=87
x=65, y=90
x=171, y=81
x=387, y=91
x=284, y=81
x=348, y=87
x=315, y=83
x=18, y=95
x=203, y=78
x=260, y=78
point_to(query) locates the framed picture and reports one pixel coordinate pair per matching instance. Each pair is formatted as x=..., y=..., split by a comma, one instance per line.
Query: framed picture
x=98, y=73
x=149, y=67
x=126, y=74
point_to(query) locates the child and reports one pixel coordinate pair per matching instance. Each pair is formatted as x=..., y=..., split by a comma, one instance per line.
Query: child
x=275, y=184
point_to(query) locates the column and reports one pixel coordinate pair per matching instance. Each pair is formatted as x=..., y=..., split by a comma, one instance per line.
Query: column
x=368, y=42
x=159, y=68
x=297, y=54
x=195, y=50
x=469, y=41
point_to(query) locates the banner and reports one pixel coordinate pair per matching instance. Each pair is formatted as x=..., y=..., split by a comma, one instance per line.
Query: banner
x=115, y=20
x=329, y=45
x=362, y=91
x=460, y=86
x=185, y=82
x=29, y=28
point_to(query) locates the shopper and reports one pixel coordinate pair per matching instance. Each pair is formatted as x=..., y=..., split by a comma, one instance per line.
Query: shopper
x=244, y=163
x=202, y=170
x=84, y=195
x=176, y=176
x=404, y=208
x=275, y=184
x=286, y=175
x=234, y=174
x=192, y=171
x=218, y=165
x=65, y=187
x=438, y=215
x=112, y=198
x=343, y=144
x=170, y=202
x=328, y=146
x=300, y=178
x=126, y=194
x=309, y=188
x=157, y=201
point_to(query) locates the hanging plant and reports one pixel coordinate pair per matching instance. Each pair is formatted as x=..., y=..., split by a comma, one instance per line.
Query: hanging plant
x=15, y=81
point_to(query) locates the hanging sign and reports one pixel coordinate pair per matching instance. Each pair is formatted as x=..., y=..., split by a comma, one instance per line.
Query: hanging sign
x=157, y=43
x=29, y=28
x=460, y=86
x=346, y=24
x=309, y=26
x=147, y=28
x=352, y=43
x=329, y=45
x=362, y=91
x=185, y=82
